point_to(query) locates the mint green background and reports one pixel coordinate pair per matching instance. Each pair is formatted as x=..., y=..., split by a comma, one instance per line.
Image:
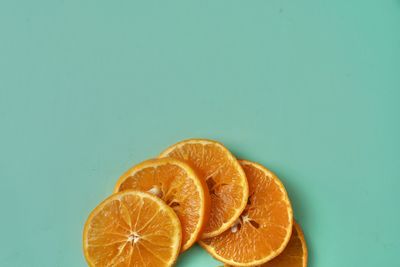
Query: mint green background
x=309, y=88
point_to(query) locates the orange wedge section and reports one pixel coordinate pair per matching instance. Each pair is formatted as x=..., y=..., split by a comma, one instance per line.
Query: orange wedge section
x=132, y=228
x=263, y=229
x=177, y=184
x=225, y=178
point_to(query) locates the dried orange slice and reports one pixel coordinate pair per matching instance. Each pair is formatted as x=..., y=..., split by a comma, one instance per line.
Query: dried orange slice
x=132, y=228
x=263, y=229
x=177, y=184
x=295, y=253
x=224, y=176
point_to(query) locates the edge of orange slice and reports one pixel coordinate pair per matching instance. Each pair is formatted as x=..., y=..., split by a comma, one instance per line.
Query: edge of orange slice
x=177, y=240
x=303, y=242
x=200, y=185
x=226, y=235
x=232, y=159
x=292, y=252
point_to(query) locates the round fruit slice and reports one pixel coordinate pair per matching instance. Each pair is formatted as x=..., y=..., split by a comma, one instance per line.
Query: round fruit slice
x=295, y=253
x=263, y=229
x=132, y=228
x=224, y=176
x=177, y=184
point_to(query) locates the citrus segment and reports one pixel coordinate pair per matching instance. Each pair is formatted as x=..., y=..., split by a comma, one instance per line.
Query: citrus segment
x=177, y=184
x=224, y=176
x=132, y=228
x=263, y=229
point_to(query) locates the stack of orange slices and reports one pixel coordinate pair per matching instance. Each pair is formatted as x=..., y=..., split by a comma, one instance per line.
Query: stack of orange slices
x=195, y=191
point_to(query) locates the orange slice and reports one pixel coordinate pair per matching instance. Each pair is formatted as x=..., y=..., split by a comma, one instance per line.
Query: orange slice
x=177, y=184
x=224, y=176
x=295, y=253
x=263, y=229
x=132, y=228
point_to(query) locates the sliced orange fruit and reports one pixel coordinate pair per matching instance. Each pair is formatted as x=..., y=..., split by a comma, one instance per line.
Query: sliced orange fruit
x=295, y=253
x=263, y=229
x=132, y=228
x=177, y=184
x=224, y=176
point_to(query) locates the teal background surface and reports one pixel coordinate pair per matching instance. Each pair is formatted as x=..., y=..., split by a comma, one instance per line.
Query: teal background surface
x=309, y=88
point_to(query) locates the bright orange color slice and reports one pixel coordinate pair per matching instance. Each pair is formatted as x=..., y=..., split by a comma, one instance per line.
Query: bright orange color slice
x=295, y=253
x=263, y=229
x=177, y=184
x=132, y=228
x=225, y=178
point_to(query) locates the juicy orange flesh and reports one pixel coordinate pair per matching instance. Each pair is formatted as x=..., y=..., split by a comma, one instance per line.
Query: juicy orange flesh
x=294, y=253
x=224, y=181
x=262, y=227
x=112, y=231
x=173, y=186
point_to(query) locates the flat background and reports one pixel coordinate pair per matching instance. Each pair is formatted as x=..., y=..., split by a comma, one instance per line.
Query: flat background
x=309, y=88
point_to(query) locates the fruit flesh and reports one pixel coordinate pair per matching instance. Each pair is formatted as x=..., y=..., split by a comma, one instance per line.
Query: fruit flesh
x=132, y=229
x=180, y=188
x=295, y=253
x=224, y=176
x=263, y=229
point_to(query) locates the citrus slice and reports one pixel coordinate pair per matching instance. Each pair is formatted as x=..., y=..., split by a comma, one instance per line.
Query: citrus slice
x=177, y=184
x=295, y=253
x=132, y=228
x=263, y=229
x=224, y=176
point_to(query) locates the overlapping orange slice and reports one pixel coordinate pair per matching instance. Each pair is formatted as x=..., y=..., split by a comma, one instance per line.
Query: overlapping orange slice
x=263, y=229
x=132, y=228
x=224, y=176
x=177, y=184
